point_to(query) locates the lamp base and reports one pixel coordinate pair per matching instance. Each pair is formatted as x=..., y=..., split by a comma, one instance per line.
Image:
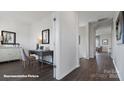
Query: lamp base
x=37, y=46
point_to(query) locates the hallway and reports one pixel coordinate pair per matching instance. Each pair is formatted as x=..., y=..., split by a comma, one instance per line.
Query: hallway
x=99, y=69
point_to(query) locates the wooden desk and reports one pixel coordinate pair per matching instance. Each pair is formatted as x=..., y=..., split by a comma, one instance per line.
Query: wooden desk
x=41, y=54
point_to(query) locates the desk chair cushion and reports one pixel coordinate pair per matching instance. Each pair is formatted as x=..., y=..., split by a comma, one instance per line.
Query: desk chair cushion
x=31, y=58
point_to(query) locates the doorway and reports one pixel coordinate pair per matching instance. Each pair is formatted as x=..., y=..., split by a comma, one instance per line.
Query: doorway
x=104, y=37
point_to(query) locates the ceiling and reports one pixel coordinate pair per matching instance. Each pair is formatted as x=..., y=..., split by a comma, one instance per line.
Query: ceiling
x=90, y=16
x=24, y=16
x=32, y=16
x=103, y=30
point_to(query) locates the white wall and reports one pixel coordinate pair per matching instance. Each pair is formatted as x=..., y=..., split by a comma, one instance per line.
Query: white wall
x=88, y=41
x=118, y=52
x=105, y=29
x=21, y=29
x=92, y=40
x=27, y=34
x=84, y=42
x=36, y=31
x=82, y=30
x=68, y=40
x=98, y=41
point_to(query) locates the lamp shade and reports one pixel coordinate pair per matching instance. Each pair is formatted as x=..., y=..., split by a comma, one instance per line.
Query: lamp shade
x=39, y=40
x=1, y=38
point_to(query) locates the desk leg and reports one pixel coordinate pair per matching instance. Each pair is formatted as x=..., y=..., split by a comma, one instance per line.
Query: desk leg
x=39, y=58
x=52, y=59
x=42, y=59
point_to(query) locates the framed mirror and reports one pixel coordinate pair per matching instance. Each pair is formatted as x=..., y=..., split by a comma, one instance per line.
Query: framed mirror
x=9, y=38
x=120, y=28
x=45, y=36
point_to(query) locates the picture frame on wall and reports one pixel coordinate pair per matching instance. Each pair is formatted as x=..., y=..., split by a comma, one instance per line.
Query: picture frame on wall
x=46, y=36
x=9, y=38
x=120, y=28
x=105, y=42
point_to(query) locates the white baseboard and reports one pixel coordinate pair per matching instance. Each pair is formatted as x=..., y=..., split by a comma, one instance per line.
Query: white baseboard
x=62, y=75
x=117, y=71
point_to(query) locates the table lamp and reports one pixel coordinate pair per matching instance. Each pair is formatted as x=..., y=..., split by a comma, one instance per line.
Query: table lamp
x=1, y=38
x=39, y=41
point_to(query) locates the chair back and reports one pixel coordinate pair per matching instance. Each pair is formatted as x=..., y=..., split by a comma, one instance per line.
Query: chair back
x=23, y=54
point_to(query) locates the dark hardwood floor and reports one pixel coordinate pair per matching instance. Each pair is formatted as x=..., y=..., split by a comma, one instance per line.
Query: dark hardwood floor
x=44, y=71
x=99, y=69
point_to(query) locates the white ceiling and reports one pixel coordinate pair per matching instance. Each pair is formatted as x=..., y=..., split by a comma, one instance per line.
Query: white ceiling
x=90, y=16
x=103, y=30
x=32, y=16
x=24, y=16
